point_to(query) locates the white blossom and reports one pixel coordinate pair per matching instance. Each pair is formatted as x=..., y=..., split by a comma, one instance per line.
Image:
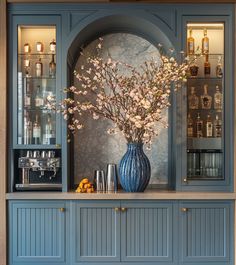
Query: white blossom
x=133, y=101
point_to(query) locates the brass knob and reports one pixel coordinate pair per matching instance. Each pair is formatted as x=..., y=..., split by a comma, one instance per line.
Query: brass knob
x=185, y=180
x=62, y=209
x=184, y=209
x=123, y=209
x=117, y=209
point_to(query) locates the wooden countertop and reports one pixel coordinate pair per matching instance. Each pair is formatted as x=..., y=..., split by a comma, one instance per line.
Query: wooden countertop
x=147, y=195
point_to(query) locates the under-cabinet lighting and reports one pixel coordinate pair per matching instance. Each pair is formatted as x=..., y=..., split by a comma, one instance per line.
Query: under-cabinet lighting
x=206, y=25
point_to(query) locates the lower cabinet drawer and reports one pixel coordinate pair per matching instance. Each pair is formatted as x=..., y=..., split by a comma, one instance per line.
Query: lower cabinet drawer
x=37, y=232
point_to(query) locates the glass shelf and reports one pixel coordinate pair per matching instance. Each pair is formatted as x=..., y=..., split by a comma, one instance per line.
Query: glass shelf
x=35, y=54
x=40, y=78
x=35, y=147
x=203, y=78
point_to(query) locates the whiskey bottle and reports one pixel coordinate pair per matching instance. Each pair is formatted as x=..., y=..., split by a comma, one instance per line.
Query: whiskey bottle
x=217, y=127
x=36, y=131
x=38, y=98
x=209, y=127
x=205, y=43
x=199, y=126
x=27, y=98
x=206, y=99
x=39, y=68
x=218, y=98
x=193, y=100
x=49, y=133
x=219, y=68
x=27, y=129
x=190, y=43
x=52, y=67
x=207, y=66
x=189, y=126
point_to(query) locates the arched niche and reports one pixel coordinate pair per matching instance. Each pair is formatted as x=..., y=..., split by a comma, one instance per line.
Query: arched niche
x=149, y=28
x=92, y=148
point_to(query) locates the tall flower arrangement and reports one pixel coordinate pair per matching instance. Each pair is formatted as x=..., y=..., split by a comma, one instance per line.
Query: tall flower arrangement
x=133, y=98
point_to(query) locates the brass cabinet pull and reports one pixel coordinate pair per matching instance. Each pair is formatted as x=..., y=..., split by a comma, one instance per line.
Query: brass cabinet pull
x=62, y=209
x=184, y=209
x=123, y=209
x=117, y=209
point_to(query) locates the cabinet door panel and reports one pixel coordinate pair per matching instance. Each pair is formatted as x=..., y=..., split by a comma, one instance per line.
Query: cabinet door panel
x=97, y=232
x=147, y=232
x=38, y=232
x=205, y=232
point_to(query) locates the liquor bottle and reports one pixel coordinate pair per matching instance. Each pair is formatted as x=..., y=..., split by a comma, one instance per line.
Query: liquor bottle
x=190, y=43
x=27, y=67
x=206, y=99
x=217, y=127
x=39, y=46
x=189, y=126
x=218, y=98
x=39, y=68
x=52, y=46
x=205, y=43
x=27, y=129
x=27, y=98
x=209, y=127
x=193, y=69
x=37, y=131
x=207, y=66
x=199, y=126
x=52, y=67
x=219, y=68
x=193, y=100
x=38, y=98
x=27, y=48
x=49, y=133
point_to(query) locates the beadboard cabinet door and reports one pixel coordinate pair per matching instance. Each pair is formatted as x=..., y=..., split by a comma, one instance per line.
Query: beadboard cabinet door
x=206, y=233
x=147, y=232
x=95, y=232
x=37, y=232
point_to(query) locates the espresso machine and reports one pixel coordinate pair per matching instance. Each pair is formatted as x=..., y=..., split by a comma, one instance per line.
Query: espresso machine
x=39, y=170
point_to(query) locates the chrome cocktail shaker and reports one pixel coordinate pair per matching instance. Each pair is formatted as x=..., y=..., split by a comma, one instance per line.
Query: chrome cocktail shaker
x=111, y=177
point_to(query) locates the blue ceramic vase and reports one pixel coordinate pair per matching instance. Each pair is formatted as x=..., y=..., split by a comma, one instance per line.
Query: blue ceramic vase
x=134, y=169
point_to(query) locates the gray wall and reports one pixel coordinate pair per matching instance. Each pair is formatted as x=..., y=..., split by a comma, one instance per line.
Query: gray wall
x=93, y=147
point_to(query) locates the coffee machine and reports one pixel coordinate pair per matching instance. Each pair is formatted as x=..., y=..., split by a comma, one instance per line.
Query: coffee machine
x=39, y=170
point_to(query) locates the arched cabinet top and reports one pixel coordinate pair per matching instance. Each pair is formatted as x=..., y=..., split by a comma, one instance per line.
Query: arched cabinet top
x=140, y=23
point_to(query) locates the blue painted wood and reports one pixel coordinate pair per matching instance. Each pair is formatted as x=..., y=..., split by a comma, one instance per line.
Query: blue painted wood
x=147, y=232
x=38, y=232
x=157, y=23
x=95, y=232
x=206, y=233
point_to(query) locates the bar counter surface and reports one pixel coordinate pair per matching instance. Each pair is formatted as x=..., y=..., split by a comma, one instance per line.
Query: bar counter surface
x=150, y=194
